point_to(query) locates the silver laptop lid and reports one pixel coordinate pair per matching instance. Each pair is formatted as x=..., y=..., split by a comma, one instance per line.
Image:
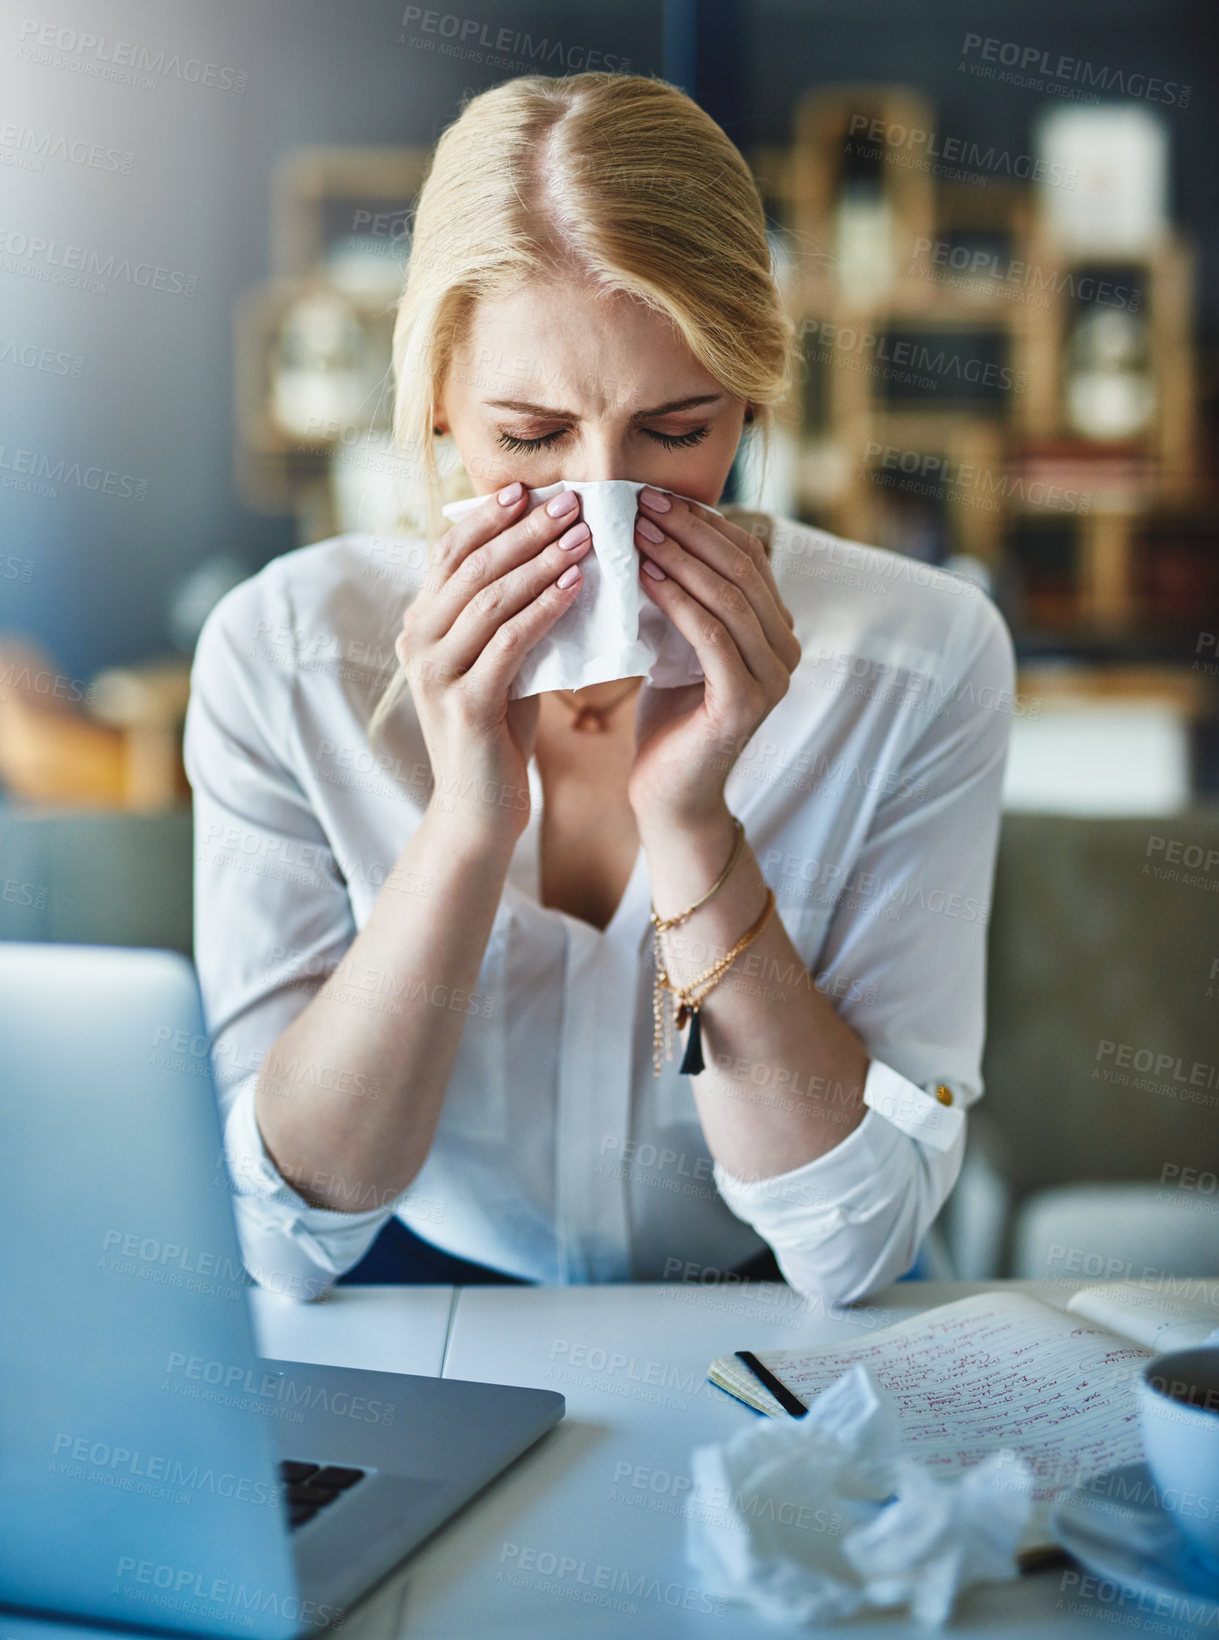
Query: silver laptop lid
x=136, y=1486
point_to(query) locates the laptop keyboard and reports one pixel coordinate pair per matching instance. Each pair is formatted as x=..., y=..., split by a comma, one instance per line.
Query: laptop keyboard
x=309, y=1487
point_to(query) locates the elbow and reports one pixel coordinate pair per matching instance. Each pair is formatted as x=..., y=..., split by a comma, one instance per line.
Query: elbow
x=830, y=1279
x=862, y=1256
x=869, y=1234
x=299, y=1286
x=276, y=1259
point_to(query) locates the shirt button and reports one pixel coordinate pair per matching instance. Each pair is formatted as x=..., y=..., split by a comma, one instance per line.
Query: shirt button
x=943, y=1094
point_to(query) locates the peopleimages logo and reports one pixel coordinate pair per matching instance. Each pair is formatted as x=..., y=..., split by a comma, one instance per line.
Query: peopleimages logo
x=43, y=473
x=127, y=1466
x=150, y=1250
x=1035, y=66
x=464, y=37
x=76, y=264
x=102, y=58
x=188, y=1582
x=237, y=1378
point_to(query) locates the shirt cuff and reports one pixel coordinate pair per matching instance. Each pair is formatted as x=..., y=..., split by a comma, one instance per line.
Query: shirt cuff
x=859, y=1177
x=935, y=1114
x=288, y=1245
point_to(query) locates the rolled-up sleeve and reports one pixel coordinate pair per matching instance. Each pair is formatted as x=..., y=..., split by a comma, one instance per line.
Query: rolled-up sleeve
x=910, y=932
x=272, y=919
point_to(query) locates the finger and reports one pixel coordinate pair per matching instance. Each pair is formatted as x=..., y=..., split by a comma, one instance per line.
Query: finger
x=499, y=600
x=725, y=600
x=757, y=528
x=490, y=677
x=738, y=557
x=728, y=680
x=749, y=541
x=469, y=559
x=477, y=527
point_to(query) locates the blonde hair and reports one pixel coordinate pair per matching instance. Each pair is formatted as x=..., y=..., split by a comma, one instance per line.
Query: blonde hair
x=619, y=180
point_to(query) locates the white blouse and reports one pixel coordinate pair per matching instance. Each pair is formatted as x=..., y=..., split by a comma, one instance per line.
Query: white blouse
x=871, y=799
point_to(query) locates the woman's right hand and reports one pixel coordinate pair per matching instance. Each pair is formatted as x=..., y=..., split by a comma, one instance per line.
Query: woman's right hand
x=490, y=593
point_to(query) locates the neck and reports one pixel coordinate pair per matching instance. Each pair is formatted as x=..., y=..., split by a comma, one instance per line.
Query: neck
x=599, y=694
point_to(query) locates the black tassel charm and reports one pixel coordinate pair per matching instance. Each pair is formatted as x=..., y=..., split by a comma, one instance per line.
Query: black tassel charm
x=692, y=1059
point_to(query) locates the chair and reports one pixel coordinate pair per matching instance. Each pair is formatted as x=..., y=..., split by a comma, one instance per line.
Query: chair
x=1116, y=1232
x=1101, y=1066
x=97, y=876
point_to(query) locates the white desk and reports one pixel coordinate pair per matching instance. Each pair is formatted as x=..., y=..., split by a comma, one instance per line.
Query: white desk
x=382, y=1329
x=599, y=1488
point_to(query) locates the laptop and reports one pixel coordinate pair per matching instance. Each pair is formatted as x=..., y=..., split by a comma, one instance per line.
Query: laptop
x=155, y=1471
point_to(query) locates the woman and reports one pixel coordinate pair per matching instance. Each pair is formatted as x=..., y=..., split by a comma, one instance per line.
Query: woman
x=424, y=911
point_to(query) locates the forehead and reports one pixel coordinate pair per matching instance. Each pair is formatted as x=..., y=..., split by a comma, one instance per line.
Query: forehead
x=571, y=347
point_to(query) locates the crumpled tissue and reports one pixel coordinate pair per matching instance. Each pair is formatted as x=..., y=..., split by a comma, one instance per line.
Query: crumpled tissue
x=613, y=629
x=823, y=1517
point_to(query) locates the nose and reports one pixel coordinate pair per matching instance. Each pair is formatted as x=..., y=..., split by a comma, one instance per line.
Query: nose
x=603, y=456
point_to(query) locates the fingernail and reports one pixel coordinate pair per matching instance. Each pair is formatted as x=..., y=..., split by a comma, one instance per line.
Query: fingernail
x=569, y=576
x=649, y=531
x=655, y=499
x=575, y=537
x=561, y=503
x=654, y=570
x=512, y=493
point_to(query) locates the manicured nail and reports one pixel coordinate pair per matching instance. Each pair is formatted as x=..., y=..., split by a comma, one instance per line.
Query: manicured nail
x=655, y=499
x=649, y=531
x=561, y=503
x=654, y=570
x=576, y=536
x=569, y=576
x=507, y=496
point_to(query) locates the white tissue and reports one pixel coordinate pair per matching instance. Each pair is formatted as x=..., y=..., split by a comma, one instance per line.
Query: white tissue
x=811, y=1531
x=613, y=630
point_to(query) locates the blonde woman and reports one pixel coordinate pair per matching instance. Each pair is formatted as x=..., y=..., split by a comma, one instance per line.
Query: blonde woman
x=423, y=927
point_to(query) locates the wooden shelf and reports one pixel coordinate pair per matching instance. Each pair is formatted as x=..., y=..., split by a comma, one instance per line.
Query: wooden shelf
x=1005, y=462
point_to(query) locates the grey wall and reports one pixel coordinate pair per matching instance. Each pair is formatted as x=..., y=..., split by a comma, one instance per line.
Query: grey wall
x=83, y=572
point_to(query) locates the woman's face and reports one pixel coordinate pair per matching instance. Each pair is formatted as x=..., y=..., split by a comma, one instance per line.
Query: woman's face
x=558, y=381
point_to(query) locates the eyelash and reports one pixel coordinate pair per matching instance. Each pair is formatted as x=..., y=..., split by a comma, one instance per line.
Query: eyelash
x=684, y=441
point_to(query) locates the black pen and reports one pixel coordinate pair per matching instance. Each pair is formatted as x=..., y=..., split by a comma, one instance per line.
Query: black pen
x=767, y=1379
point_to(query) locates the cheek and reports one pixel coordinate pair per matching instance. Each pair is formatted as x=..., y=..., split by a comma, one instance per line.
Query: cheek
x=489, y=468
x=704, y=477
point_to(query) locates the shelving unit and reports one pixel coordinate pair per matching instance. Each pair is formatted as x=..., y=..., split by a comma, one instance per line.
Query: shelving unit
x=339, y=236
x=978, y=288
x=1092, y=544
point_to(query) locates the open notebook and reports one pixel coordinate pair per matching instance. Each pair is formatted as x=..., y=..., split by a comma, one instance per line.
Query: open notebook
x=1005, y=1369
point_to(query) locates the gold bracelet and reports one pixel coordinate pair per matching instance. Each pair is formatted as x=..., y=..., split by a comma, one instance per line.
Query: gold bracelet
x=687, y=999
x=663, y=923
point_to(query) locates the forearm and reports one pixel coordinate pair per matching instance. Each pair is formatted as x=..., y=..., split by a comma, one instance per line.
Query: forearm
x=348, y=1096
x=784, y=1076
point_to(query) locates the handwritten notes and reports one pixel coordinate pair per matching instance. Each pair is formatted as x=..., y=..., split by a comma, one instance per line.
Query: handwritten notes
x=996, y=1371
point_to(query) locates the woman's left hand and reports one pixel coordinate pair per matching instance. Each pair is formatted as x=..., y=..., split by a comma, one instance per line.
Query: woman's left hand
x=720, y=593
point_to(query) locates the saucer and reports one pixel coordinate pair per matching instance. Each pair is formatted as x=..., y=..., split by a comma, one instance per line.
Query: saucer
x=1117, y=1527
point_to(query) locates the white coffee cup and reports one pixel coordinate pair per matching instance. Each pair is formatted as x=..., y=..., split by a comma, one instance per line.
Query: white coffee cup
x=1178, y=1400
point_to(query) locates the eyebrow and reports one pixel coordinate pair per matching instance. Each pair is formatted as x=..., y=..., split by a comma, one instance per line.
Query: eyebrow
x=570, y=415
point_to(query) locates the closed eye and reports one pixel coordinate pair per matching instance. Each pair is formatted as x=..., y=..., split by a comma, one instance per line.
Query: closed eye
x=670, y=441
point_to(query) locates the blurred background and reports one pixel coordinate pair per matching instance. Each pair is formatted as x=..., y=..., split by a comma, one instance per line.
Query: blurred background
x=998, y=230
